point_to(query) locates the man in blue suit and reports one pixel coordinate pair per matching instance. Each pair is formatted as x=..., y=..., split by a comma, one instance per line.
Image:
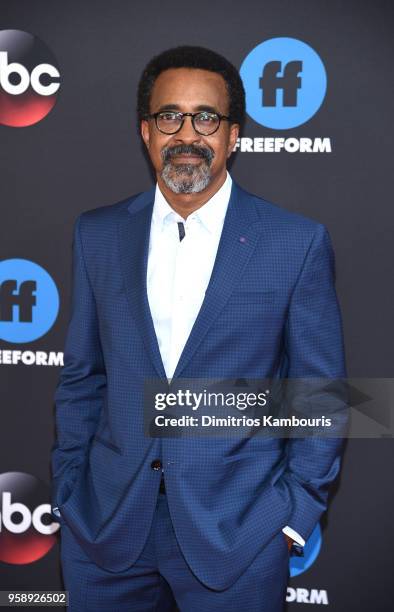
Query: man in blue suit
x=195, y=278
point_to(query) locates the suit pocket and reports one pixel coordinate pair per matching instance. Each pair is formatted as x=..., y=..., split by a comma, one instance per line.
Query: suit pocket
x=252, y=297
x=107, y=443
x=67, y=486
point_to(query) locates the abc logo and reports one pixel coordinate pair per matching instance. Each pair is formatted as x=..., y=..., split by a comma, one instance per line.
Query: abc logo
x=285, y=83
x=29, y=79
x=29, y=301
x=27, y=531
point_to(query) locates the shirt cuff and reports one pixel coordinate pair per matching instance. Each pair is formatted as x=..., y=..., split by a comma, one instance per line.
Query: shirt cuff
x=294, y=535
x=56, y=511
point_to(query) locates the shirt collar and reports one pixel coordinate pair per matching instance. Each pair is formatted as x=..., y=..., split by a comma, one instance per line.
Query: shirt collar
x=211, y=214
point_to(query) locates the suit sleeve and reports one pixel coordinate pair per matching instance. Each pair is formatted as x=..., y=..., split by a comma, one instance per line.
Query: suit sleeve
x=315, y=350
x=82, y=381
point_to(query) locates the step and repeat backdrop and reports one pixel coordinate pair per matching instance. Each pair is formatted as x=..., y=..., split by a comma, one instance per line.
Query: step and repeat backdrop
x=317, y=141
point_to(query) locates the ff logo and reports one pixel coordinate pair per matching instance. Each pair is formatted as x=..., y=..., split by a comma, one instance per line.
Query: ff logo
x=29, y=79
x=299, y=565
x=285, y=83
x=27, y=531
x=29, y=301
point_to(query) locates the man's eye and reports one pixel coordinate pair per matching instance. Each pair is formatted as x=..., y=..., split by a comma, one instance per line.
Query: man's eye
x=168, y=116
x=206, y=118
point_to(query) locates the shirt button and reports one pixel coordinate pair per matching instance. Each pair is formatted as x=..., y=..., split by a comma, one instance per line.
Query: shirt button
x=156, y=464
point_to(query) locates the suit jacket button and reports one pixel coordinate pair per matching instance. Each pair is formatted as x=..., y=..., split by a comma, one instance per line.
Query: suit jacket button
x=156, y=464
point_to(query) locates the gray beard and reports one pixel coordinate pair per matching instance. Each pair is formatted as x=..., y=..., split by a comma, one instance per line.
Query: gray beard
x=186, y=178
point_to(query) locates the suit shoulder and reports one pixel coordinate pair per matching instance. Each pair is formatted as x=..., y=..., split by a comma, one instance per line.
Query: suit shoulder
x=286, y=219
x=104, y=216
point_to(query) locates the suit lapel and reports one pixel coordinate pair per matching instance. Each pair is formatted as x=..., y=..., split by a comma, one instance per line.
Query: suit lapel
x=133, y=234
x=241, y=229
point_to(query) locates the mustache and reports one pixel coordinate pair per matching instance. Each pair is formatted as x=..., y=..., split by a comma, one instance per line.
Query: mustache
x=206, y=153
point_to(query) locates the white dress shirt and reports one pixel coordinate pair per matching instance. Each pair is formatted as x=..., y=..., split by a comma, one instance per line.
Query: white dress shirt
x=179, y=271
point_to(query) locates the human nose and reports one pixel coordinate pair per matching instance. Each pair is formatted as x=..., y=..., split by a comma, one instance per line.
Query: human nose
x=187, y=132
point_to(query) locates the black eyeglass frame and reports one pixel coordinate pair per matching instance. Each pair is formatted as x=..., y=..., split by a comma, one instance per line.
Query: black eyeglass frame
x=192, y=115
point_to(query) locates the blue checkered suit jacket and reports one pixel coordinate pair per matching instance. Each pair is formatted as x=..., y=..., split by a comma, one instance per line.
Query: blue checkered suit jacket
x=270, y=310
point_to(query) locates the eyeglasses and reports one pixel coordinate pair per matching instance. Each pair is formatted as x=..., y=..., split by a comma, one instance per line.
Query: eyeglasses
x=204, y=123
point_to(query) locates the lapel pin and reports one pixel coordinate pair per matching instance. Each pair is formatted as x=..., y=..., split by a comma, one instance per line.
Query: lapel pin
x=242, y=239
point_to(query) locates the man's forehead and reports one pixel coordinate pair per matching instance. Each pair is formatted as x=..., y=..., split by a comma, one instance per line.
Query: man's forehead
x=178, y=86
x=190, y=75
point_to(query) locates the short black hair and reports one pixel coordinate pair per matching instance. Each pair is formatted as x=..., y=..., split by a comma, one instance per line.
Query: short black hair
x=192, y=57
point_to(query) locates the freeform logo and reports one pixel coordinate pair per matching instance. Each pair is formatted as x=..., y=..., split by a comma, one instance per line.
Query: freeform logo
x=27, y=532
x=276, y=145
x=285, y=83
x=29, y=79
x=289, y=83
x=307, y=596
x=29, y=301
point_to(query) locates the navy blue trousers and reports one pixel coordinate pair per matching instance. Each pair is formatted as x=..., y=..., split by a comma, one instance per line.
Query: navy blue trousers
x=161, y=580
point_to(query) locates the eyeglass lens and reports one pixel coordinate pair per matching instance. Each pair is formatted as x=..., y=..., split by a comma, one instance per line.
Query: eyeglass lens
x=204, y=123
